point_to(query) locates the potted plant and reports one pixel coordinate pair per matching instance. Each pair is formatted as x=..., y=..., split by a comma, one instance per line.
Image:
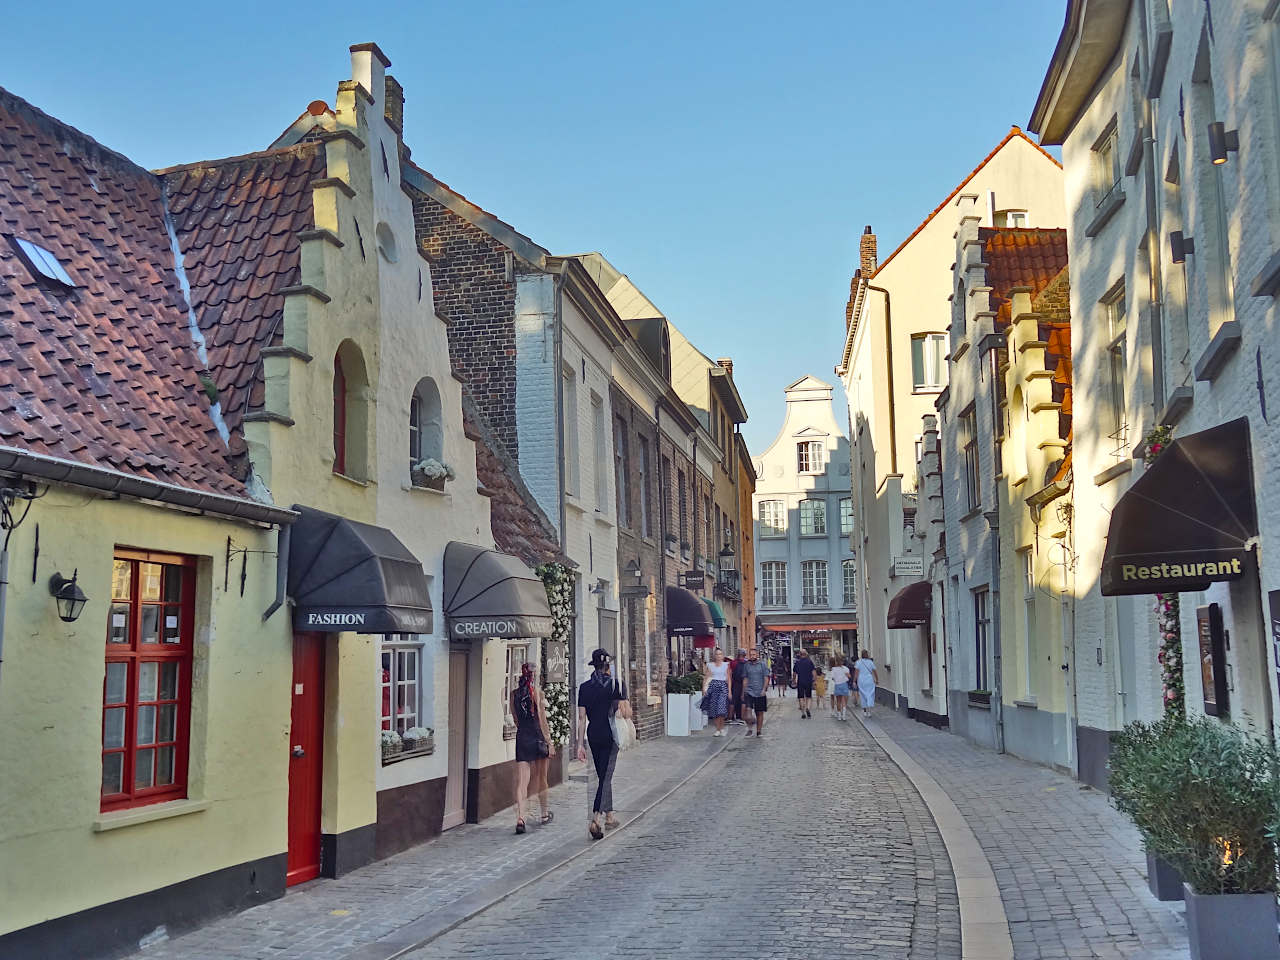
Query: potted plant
x=431, y=474
x=418, y=740
x=392, y=745
x=1206, y=799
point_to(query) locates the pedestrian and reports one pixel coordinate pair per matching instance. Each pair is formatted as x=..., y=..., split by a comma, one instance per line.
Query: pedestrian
x=840, y=677
x=802, y=676
x=597, y=697
x=533, y=744
x=868, y=680
x=738, y=673
x=757, y=690
x=715, y=691
x=819, y=685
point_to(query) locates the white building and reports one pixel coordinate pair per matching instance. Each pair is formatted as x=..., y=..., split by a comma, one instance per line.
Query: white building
x=806, y=569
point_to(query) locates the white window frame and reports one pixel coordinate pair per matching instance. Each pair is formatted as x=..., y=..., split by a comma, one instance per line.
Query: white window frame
x=600, y=445
x=775, y=526
x=969, y=447
x=1115, y=311
x=1107, y=164
x=572, y=451
x=849, y=578
x=810, y=457
x=395, y=646
x=813, y=517
x=517, y=654
x=814, y=588
x=846, y=516
x=773, y=583
x=981, y=638
x=928, y=362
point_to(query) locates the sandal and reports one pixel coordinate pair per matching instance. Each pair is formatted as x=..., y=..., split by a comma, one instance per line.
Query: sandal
x=611, y=821
x=520, y=825
x=595, y=831
x=548, y=816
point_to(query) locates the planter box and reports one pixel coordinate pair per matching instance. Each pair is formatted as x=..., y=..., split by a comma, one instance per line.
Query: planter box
x=1163, y=878
x=1231, y=926
x=697, y=719
x=980, y=696
x=678, y=714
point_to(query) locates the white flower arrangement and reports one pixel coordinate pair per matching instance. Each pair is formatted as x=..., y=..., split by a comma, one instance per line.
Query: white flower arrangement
x=559, y=585
x=433, y=469
x=418, y=733
x=390, y=739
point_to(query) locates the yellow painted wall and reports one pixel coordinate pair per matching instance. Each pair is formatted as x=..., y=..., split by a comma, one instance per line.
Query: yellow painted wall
x=52, y=862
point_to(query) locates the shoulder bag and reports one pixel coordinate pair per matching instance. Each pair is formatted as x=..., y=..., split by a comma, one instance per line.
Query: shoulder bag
x=624, y=731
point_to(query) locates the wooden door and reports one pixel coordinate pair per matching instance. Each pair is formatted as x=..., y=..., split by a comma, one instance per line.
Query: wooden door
x=455, y=791
x=306, y=750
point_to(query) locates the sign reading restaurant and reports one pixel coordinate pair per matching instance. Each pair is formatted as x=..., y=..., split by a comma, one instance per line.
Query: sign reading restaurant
x=1157, y=574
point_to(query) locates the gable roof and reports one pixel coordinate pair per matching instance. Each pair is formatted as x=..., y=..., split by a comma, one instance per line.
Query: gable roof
x=1015, y=133
x=1020, y=257
x=808, y=382
x=105, y=374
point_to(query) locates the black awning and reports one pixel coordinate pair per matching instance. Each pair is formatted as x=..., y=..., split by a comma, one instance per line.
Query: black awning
x=910, y=606
x=492, y=594
x=1188, y=520
x=687, y=615
x=351, y=576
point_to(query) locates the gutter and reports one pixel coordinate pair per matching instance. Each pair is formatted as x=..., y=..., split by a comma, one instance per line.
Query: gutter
x=888, y=347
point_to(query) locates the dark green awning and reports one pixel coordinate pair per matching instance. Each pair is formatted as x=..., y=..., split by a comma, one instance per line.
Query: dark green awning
x=717, y=615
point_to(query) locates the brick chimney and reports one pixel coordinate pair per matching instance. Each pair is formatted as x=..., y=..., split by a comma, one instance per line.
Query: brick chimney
x=726, y=363
x=393, y=105
x=867, y=252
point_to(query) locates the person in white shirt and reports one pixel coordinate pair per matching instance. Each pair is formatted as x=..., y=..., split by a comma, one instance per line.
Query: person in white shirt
x=840, y=677
x=868, y=680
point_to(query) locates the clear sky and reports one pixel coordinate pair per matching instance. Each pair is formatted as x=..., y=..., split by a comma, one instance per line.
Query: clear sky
x=726, y=156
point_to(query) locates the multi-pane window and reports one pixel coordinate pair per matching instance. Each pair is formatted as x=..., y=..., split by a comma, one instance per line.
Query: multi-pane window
x=969, y=444
x=683, y=532
x=339, y=416
x=622, y=471
x=813, y=518
x=572, y=452
x=773, y=518
x=773, y=584
x=982, y=627
x=1116, y=362
x=665, y=504
x=146, y=695
x=849, y=571
x=1106, y=160
x=1029, y=616
x=846, y=516
x=517, y=657
x=1011, y=218
x=400, y=682
x=646, y=486
x=599, y=442
x=810, y=456
x=813, y=583
x=928, y=366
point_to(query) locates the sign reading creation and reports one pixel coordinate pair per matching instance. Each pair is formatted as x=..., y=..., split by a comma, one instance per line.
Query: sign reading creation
x=477, y=628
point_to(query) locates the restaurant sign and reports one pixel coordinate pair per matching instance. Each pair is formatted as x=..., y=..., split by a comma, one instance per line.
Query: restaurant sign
x=1170, y=573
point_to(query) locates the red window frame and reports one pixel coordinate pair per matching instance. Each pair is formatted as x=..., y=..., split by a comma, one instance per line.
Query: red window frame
x=146, y=707
x=339, y=417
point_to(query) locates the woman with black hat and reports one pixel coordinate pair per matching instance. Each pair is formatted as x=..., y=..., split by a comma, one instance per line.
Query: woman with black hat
x=598, y=697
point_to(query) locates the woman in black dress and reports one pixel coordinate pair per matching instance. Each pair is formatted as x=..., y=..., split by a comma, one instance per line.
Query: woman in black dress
x=533, y=744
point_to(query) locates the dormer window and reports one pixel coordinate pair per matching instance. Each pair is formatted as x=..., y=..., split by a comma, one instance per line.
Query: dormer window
x=41, y=262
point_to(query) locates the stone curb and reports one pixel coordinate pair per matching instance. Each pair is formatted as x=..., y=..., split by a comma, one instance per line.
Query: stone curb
x=984, y=926
x=421, y=932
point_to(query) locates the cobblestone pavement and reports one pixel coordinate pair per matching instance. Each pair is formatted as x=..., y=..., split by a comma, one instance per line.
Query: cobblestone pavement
x=807, y=844
x=1071, y=869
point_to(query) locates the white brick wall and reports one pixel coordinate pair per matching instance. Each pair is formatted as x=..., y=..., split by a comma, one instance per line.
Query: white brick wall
x=536, y=383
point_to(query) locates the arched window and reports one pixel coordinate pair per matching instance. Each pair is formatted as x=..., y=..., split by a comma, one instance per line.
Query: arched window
x=1018, y=434
x=339, y=416
x=350, y=412
x=426, y=431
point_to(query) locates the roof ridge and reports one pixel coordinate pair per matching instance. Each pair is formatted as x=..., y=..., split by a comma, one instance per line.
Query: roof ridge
x=304, y=146
x=17, y=104
x=1014, y=132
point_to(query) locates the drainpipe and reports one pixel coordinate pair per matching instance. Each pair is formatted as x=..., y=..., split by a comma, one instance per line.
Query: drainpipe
x=997, y=671
x=283, y=538
x=888, y=349
x=662, y=529
x=4, y=591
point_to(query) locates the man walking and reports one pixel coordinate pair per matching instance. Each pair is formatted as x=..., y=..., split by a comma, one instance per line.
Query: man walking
x=756, y=687
x=737, y=675
x=802, y=674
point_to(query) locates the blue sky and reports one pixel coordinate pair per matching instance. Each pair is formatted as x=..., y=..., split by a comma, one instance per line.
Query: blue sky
x=726, y=156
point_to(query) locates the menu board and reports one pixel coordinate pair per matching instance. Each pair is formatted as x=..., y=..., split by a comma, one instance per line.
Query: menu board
x=1204, y=629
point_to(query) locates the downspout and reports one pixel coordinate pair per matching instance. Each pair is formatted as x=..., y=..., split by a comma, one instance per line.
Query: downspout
x=4, y=590
x=997, y=681
x=662, y=529
x=888, y=349
x=283, y=538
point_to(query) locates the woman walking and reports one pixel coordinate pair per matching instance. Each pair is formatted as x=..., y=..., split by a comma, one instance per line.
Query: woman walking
x=533, y=744
x=840, y=688
x=597, y=698
x=715, y=691
x=868, y=680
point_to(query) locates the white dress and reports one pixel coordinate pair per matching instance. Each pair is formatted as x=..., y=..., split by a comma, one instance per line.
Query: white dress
x=866, y=682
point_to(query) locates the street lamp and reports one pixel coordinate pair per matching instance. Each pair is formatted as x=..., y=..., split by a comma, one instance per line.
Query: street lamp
x=68, y=596
x=727, y=558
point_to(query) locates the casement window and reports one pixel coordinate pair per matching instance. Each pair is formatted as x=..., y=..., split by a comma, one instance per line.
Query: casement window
x=813, y=518
x=849, y=573
x=426, y=433
x=810, y=456
x=928, y=363
x=517, y=657
x=1115, y=358
x=982, y=628
x=813, y=583
x=773, y=518
x=622, y=471
x=773, y=584
x=351, y=412
x=400, y=681
x=969, y=445
x=846, y=516
x=708, y=546
x=339, y=416
x=1106, y=163
x=599, y=445
x=1029, y=616
x=646, y=487
x=683, y=531
x=146, y=693
x=1011, y=218
x=572, y=452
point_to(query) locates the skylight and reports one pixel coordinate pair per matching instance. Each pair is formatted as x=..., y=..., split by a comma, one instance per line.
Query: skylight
x=43, y=262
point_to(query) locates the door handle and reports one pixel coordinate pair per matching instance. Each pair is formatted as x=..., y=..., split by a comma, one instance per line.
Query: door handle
x=297, y=751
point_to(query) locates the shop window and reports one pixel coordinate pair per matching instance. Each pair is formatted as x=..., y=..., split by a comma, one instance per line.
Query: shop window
x=813, y=518
x=350, y=412
x=146, y=695
x=773, y=518
x=400, y=681
x=517, y=657
x=426, y=429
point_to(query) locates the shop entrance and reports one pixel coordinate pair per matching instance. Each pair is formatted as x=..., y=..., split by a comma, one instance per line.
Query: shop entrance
x=306, y=752
x=455, y=790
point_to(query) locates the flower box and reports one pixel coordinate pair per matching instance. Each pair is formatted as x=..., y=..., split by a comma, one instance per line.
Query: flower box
x=430, y=474
x=980, y=697
x=423, y=482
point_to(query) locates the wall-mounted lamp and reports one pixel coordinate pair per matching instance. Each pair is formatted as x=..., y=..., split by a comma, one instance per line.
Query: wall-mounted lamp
x=600, y=587
x=633, y=572
x=68, y=596
x=1222, y=141
x=1180, y=246
x=727, y=558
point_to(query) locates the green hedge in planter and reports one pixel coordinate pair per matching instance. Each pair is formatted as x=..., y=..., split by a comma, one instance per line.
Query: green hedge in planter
x=1205, y=797
x=689, y=683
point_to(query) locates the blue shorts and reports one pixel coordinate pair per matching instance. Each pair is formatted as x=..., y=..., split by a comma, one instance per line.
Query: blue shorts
x=842, y=689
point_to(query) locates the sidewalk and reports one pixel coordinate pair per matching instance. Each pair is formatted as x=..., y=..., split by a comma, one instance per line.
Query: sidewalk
x=1070, y=868
x=378, y=911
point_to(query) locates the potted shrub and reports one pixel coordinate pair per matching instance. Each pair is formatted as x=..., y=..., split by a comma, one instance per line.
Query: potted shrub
x=1205, y=798
x=431, y=474
x=1138, y=739
x=392, y=745
x=418, y=740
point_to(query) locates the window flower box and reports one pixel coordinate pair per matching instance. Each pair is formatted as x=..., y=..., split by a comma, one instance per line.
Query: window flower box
x=431, y=474
x=980, y=696
x=392, y=744
x=418, y=740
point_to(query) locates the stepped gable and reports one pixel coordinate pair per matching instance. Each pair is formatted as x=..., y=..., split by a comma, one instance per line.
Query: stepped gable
x=102, y=373
x=237, y=222
x=1020, y=257
x=1053, y=305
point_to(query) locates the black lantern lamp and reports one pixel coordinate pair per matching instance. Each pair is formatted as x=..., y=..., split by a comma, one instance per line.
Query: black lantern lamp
x=1221, y=142
x=68, y=595
x=727, y=558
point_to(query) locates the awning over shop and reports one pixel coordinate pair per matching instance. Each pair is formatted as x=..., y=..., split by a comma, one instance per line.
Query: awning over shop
x=1188, y=519
x=351, y=576
x=492, y=594
x=910, y=606
x=687, y=614
x=717, y=613
x=813, y=627
x=704, y=643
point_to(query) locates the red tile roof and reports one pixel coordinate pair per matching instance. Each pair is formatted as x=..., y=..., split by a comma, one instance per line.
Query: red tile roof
x=103, y=374
x=238, y=222
x=1020, y=257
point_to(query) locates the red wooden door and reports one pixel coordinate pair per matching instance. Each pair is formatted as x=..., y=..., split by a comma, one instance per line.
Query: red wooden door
x=306, y=749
